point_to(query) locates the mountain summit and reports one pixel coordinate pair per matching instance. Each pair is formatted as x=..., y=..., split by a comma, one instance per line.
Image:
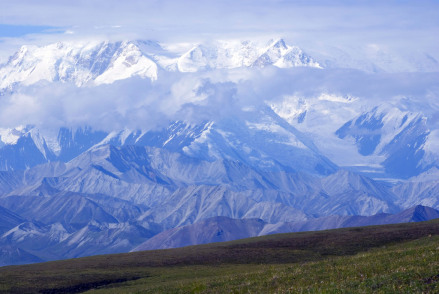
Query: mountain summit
x=95, y=63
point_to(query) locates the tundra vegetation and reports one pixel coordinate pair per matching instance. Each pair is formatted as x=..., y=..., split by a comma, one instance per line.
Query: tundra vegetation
x=402, y=258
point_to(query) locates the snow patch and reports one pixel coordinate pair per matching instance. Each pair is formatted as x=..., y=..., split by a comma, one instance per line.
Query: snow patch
x=11, y=136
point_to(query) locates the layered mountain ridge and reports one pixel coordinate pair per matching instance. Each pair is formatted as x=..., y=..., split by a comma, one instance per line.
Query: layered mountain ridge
x=241, y=148
x=221, y=229
x=111, y=199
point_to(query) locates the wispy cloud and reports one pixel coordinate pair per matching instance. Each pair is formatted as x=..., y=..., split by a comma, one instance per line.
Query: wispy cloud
x=393, y=22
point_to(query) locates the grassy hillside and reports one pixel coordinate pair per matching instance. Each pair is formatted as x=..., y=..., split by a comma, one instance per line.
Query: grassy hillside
x=392, y=258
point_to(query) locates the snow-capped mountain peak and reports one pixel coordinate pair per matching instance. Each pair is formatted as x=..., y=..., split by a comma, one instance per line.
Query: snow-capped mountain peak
x=77, y=62
x=104, y=62
x=279, y=54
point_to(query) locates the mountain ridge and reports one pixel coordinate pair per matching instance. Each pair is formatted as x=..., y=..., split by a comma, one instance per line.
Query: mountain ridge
x=221, y=229
x=95, y=63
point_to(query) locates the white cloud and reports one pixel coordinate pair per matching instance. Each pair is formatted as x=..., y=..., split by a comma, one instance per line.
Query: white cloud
x=141, y=104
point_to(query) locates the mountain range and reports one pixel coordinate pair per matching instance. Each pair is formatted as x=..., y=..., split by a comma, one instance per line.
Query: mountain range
x=105, y=62
x=230, y=162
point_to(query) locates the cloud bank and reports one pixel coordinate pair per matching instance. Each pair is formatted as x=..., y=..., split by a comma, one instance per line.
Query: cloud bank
x=141, y=104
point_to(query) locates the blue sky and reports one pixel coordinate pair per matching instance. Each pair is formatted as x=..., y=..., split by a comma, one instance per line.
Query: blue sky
x=14, y=31
x=221, y=16
x=404, y=24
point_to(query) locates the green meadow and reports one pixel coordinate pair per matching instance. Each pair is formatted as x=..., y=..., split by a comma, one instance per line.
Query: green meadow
x=402, y=258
